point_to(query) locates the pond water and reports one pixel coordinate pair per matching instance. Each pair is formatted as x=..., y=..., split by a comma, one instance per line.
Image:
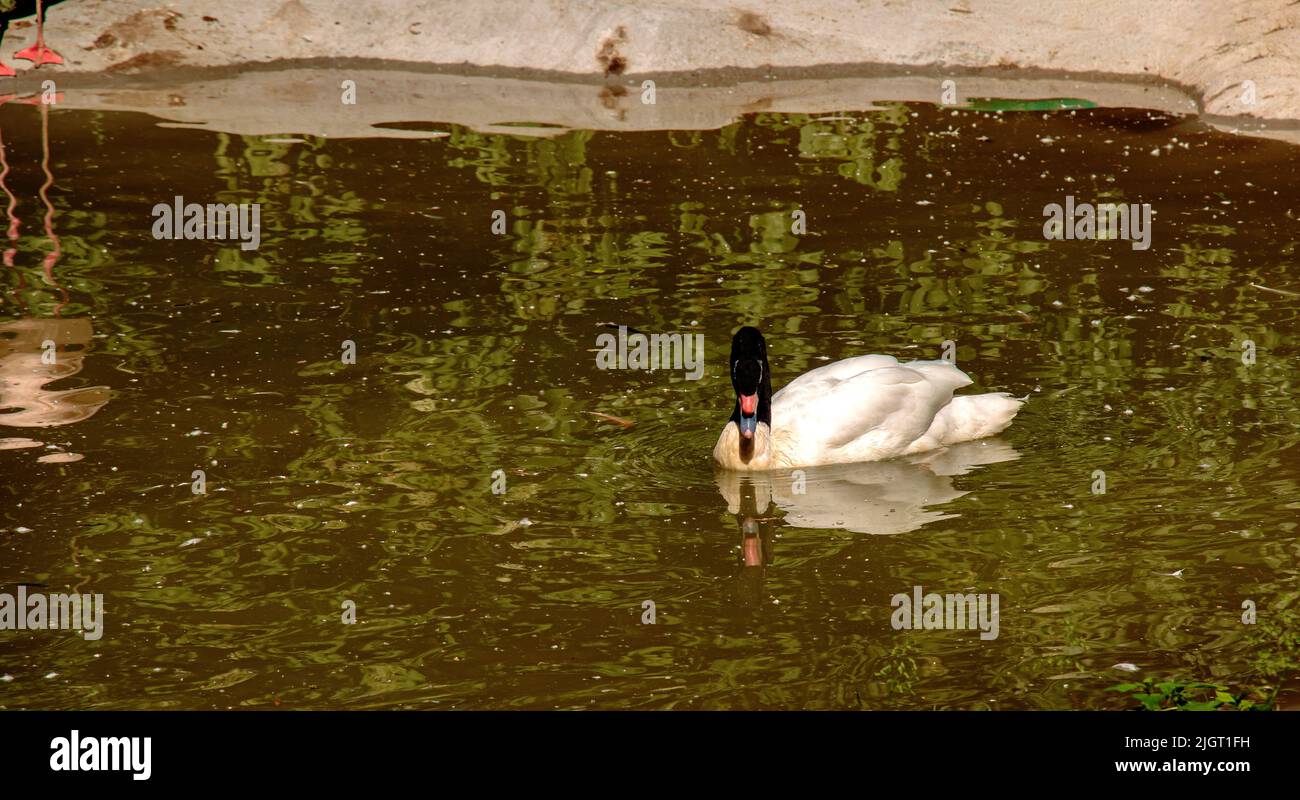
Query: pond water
x=329, y=484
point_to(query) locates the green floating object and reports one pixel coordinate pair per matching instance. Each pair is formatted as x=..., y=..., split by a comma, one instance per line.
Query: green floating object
x=1047, y=104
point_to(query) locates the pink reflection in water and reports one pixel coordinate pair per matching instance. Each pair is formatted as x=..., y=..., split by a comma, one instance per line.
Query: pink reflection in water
x=24, y=372
x=37, y=352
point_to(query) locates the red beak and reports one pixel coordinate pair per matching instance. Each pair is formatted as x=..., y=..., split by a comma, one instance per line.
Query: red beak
x=748, y=404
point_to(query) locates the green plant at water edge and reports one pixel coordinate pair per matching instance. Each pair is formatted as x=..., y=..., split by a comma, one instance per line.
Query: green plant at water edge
x=1278, y=648
x=1195, y=696
x=1046, y=104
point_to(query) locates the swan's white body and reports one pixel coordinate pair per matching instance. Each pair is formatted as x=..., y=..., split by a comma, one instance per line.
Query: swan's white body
x=867, y=409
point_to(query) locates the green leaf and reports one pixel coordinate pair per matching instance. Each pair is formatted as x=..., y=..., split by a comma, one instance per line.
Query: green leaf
x=1125, y=687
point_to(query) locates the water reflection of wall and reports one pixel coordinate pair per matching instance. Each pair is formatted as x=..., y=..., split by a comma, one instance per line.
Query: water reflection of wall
x=24, y=400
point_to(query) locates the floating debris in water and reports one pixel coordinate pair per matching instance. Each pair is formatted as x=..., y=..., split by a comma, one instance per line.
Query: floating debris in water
x=626, y=423
x=59, y=458
x=18, y=443
x=1276, y=291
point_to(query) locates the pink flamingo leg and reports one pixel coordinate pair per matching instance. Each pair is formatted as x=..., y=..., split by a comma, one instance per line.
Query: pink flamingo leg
x=38, y=53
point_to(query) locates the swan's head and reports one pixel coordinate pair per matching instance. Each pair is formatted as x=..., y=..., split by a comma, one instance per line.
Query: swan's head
x=751, y=378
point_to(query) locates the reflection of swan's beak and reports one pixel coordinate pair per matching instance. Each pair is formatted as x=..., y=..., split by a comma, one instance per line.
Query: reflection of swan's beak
x=882, y=497
x=752, y=547
x=751, y=544
x=753, y=508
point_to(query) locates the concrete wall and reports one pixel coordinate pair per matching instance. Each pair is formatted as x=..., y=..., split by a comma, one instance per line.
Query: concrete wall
x=1231, y=58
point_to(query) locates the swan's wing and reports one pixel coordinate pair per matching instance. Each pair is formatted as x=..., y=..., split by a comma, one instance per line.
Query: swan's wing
x=971, y=417
x=871, y=414
x=839, y=370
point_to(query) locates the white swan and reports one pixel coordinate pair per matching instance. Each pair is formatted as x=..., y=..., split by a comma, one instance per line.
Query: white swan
x=866, y=408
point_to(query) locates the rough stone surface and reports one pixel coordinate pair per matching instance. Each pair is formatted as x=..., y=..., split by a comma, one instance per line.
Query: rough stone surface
x=1232, y=58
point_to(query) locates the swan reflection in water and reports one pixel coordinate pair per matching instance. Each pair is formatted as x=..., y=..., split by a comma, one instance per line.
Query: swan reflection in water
x=880, y=497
